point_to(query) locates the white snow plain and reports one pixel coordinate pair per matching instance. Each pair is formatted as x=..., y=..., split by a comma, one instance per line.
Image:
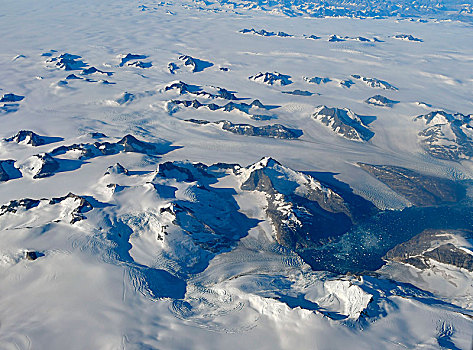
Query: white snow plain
x=101, y=286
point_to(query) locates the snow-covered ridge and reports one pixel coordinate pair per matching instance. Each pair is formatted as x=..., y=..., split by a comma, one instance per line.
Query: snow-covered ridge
x=444, y=246
x=447, y=135
x=330, y=38
x=128, y=143
x=273, y=130
x=375, y=82
x=407, y=37
x=65, y=61
x=381, y=101
x=70, y=208
x=263, y=32
x=352, y=299
x=343, y=122
x=441, y=260
x=179, y=233
x=8, y=103
x=210, y=92
x=71, y=157
x=271, y=78
x=317, y=80
x=134, y=60
x=294, y=201
x=255, y=110
x=71, y=62
x=28, y=137
x=452, y=10
x=192, y=64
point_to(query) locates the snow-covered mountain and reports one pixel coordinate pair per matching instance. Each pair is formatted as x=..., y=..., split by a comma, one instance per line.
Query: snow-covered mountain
x=379, y=100
x=343, y=122
x=447, y=136
x=445, y=9
x=271, y=78
x=235, y=174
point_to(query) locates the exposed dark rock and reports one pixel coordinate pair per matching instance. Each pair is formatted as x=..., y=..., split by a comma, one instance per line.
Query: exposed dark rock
x=263, y=32
x=15, y=205
x=304, y=213
x=31, y=138
x=225, y=94
x=211, y=219
x=126, y=98
x=67, y=62
x=128, y=143
x=317, y=80
x=132, y=144
x=335, y=38
x=226, y=166
x=106, y=82
x=77, y=213
x=375, y=83
x=73, y=77
x=11, y=98
x=347, y=83
x=343, y=122
x=283, y=35
x=412, y=10
x=48, y=166
x=175, y=171
x=378, y=100
x=196, y=65
x=437, y=245
x=3, y=174
x=255, y=110
x=83, y=206
x=97, y=135
x=446, y=135
x=131, y=57
x=87, y=150
x=407, y=37
x=274, y=130
x=172, y=67
x=116, y=169
x=196, y=90
x=417, y=188
x=93, y=70
x=182, y=87
x=298, y=93
x=8, y=171
x=140, y=64
x=452, y=255
x=9, y=108
x=116, y=188
x=32, y=255
x=274, y=78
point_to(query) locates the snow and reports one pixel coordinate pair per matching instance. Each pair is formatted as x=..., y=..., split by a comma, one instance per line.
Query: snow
x=104, y=281
x=352, y=298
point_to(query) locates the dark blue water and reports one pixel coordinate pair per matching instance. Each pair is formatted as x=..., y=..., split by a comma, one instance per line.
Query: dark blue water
x=363, y=247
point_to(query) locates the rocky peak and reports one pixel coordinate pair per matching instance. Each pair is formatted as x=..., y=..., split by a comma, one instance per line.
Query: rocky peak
x=344, y=122
x=116, y=169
